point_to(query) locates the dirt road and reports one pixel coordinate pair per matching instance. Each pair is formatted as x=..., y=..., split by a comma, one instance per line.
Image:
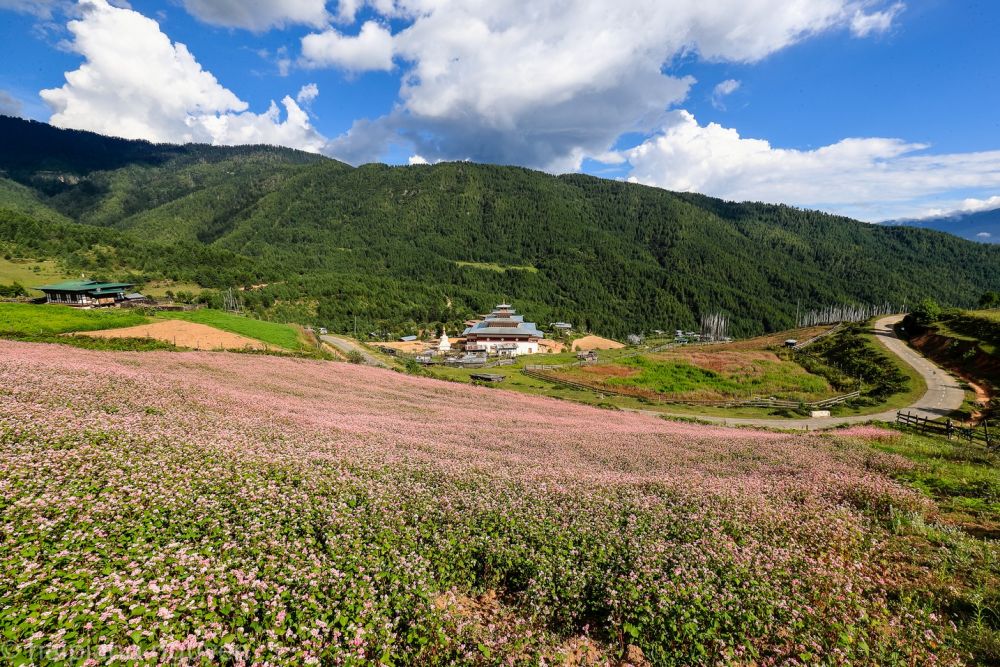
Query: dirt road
x=942, y=397
x=347, y=346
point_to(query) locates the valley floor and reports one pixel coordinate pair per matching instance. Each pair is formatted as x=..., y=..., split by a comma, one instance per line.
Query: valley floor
x=161, y=506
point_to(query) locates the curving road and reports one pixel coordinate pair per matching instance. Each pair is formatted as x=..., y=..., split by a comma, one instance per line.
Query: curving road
x=944, y=394
x=345, y=345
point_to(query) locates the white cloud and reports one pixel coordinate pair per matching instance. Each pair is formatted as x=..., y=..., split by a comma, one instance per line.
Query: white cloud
x=871, y=179
x=722, y=89
x=547, y=84
x=863, y=25
x=258, y=15
x=307, y=93
x=970, y=205
x=984, y=235
x=976, y=205
x=347, y=10
x=10, y=105
x=417, y=159
x=40, y=8
x=135, y=83
x=370, y=49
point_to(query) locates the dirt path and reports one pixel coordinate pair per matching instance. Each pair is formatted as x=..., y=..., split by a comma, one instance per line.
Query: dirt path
x=347, y=346
x=183, y=334
x=943, y=396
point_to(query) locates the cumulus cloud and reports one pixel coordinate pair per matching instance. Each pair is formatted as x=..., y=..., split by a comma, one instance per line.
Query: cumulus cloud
x=370, y=49
x=258, y=15
x=135, y=83
x=984, y=235
x=863, y=25
x=871, y=179
x=721, y=90
x=547, y=84
x=417, y=159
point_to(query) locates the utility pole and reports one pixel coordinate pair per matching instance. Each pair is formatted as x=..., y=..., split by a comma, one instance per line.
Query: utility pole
x=355, y=327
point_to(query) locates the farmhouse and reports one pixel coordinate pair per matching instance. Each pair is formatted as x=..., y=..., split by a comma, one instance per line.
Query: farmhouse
x=87, y=293
x=503, y=332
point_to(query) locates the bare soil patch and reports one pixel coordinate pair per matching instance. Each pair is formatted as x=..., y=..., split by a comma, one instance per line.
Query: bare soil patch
x=608, y=370
x=406, y=347
x=549, y=345
x=596, y=343
x=183, y=334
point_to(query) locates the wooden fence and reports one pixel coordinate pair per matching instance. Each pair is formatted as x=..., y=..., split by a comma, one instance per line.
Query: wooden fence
x=828, y=332
x=948, y=429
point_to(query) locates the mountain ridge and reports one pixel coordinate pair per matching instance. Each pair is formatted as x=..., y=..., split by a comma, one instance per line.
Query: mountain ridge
x=403, y=247
x=979, y=226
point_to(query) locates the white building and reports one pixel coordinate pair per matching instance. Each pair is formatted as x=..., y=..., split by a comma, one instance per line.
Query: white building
x=503, y=332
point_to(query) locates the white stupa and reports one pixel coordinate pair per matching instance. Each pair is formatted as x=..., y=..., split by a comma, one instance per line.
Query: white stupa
x=444, y=345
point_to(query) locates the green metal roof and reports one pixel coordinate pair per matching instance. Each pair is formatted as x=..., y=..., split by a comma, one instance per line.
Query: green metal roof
x=85, y=286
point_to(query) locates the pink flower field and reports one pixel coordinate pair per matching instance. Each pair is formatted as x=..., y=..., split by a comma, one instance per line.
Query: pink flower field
x=211, y=508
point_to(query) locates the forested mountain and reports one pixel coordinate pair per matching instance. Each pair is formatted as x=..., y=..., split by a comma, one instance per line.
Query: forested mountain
x=400, y=247
x=981, y=226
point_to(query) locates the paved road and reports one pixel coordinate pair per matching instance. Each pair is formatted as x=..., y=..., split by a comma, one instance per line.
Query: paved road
x=345, y=345
x=943, y=391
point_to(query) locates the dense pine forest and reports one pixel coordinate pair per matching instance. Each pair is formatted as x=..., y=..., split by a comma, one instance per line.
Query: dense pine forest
x=398, y=248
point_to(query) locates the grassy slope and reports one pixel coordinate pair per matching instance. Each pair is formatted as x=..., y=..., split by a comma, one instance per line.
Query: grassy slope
x=282, y=335
x=676, y=377
x=21, y=318
x=33, y=321
x=30, y=273
x=958, y=552
x=981, y=327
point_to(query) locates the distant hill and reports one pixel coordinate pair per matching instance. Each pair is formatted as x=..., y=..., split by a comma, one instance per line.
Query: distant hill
x=982, y=226
x=398, y=248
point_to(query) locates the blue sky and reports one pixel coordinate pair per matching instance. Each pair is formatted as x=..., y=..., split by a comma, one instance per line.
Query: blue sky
x=871, y=108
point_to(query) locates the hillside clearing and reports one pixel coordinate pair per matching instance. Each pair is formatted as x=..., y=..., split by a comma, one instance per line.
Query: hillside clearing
x=498, y=268
x=30, y=273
